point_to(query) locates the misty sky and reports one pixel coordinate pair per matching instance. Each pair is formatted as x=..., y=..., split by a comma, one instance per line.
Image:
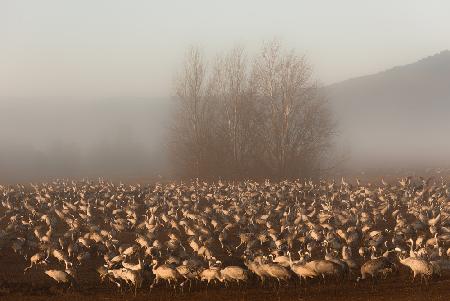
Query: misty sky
x=92, y=49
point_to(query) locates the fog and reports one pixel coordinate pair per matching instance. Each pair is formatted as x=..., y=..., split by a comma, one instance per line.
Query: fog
x=114, y=138
x=398, y=117
x=391, y=120
x=87, y=87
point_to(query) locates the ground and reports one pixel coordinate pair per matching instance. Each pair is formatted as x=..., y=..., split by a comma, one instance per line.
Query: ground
x=397, y=288
x=35, y=285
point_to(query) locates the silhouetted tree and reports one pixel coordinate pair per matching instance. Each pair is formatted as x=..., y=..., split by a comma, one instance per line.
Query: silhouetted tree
x=298, y=125
x=190, y=131
x=240, y=120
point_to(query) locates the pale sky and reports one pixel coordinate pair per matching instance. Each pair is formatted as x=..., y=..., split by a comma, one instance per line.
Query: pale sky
x=94, y=49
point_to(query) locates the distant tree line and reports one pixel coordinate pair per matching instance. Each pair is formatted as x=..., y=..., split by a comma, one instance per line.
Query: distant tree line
x=239, y=118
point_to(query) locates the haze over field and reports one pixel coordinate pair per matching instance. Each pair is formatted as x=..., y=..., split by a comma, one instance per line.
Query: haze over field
x=394, y=118
x=397, y=118
x=86, y=87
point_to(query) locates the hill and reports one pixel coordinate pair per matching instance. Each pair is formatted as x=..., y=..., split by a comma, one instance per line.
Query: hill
x=395, y=118
x=399, y=116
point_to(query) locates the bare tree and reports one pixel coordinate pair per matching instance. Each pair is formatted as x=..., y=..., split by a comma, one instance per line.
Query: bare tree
x=235, y=114
x=264, y=121
x=190, y=131
x=298, y=124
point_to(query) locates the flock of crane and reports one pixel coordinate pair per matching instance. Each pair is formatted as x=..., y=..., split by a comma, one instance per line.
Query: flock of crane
x=184, y=234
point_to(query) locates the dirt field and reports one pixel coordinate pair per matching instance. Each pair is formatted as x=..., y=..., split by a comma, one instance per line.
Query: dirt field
x=34, y=285
x=396, y=288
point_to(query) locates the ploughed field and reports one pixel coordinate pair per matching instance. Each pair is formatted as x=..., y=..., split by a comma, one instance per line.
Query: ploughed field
x=34, y=287
x=289, y=240
x=393, y=289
